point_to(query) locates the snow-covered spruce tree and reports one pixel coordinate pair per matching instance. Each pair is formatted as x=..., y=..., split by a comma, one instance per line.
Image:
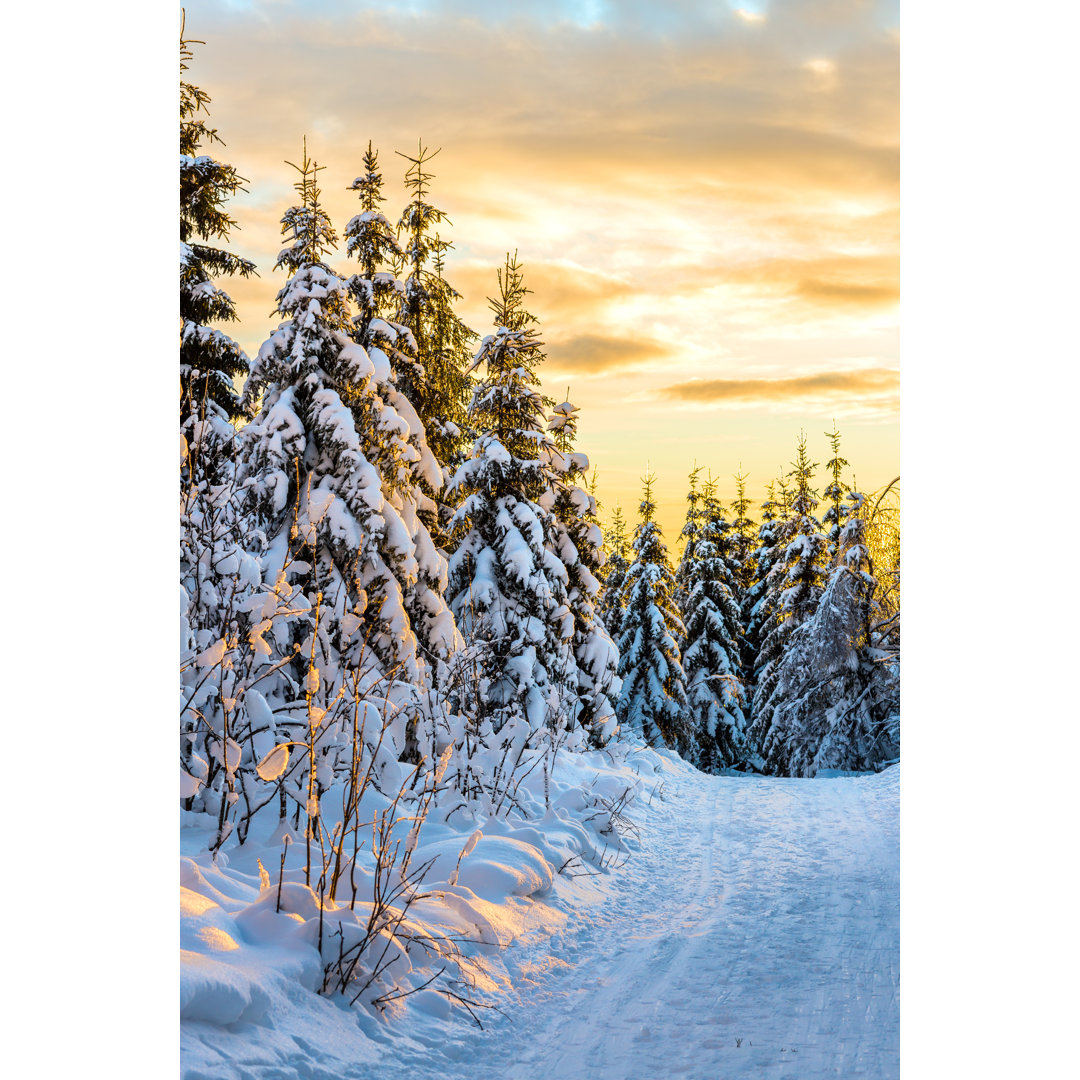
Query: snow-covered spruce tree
x=390, y=427
x=376, y=290
x=318, y=499
x=710, y=644
x=578, y=542
x=793, y=589
x=836, y=704
x=371, y=240
x=438, y=383
x=653, y=699
x=689, y=536
x=508, y=589
x=743, y=538
x=209, y=359
x=755, y=599
x=745, y=543
x=833, y=494
x=615, y=567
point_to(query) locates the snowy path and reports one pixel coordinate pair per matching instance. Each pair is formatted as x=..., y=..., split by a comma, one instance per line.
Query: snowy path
x=759, y=911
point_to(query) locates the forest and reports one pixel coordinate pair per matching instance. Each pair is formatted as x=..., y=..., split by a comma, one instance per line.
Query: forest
x=406, y=618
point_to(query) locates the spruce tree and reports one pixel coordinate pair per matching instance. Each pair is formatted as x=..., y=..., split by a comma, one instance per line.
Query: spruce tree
x=438, y=384
x=578, y=543
x=793, y=589
x=743, y=537
x=389, y=425
x=744, y=545
x=615, y=567
x=372, y=241
x=833, y=494
x=836, y=704
x=689, y=536
x=755, y=600
x=784, y=496
x=758, y=602
x=710, y=644
x=508, y=590
x=309, y=479
x=210, y=361
x=653, y=699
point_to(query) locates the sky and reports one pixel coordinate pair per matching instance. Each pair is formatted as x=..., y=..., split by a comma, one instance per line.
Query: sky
x=704, y=196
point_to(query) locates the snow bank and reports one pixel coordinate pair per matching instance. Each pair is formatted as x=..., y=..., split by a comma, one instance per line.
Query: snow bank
x=255, y=991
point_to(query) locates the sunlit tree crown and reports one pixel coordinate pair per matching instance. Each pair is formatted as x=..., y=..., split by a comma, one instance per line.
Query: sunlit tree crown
x=307, y=226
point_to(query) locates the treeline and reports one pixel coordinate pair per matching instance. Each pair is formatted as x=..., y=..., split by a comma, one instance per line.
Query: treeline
x=773, y=646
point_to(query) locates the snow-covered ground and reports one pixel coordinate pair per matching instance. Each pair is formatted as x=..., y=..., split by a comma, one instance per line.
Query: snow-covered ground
x=753, y=932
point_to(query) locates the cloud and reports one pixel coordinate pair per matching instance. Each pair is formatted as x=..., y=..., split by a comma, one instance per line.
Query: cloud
x=848, y=293
x=868, y=384
x=868, y=281
x=715, y=99
x=558, y=290
x=593, y=353
x=693, y=191
x=762, y=290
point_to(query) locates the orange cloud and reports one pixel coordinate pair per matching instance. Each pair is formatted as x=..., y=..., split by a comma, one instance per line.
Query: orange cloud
x=692, y=193
x=592, y=353
x=874, y=383
x=848, y=292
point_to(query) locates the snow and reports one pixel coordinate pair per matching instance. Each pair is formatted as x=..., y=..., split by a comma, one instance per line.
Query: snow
x=273, y=764
x=748, y=927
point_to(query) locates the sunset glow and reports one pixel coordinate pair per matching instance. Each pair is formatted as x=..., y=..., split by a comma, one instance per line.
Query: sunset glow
x=705, y=199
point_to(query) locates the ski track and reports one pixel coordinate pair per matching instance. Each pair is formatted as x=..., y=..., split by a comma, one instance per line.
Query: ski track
x=760, y=910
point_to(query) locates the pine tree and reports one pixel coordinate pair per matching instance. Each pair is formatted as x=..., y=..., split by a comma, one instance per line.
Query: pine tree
x=742, y=537
x=653, y=699
x=209, y=359
x=710, y=644
x=758, y=602
x=393, y=435
x=376, y=290
x=744, y=546
x=689, y=536
x=833, y=494
x=438, y=384
x=508, y=589
x=836, y=704
x=784, y=496
x=793, y=589
x=578, y=542
x=372, y=241
x=756, y=599
x=615, y=567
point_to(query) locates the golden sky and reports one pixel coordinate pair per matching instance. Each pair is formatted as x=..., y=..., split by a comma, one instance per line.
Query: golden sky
x=705, y=198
